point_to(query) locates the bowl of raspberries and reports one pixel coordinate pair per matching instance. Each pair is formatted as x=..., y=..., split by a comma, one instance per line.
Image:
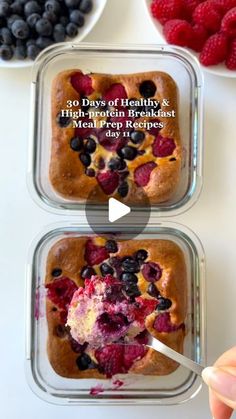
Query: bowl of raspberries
x=29, y=26
x=206, y=27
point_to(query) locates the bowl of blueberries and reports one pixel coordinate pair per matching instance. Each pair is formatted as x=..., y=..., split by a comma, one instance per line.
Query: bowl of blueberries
x=29, y=26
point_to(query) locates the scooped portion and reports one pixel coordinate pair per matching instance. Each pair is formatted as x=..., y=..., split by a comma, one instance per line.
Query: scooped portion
x=101, y=313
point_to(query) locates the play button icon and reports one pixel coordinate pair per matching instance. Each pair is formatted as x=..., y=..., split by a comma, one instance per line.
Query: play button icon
x=117, y=210
x=117, y=215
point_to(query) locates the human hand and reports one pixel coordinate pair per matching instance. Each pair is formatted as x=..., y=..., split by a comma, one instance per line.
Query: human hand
x=221, y=378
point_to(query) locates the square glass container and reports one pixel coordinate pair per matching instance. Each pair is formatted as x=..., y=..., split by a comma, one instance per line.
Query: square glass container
x=136, y=389
x=115, y=59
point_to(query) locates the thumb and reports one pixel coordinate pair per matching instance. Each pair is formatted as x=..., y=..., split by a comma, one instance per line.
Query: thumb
x=222, y=380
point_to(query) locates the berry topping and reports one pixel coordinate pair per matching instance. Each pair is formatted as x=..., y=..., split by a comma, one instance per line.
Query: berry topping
x=111, y=246
x=61, y=291
x=142, y=338
x=178, y=32
x=63, y=121
x=215, y=50
x=76, y=144
x=141, y=255
x=231, y=58
x=147, y=89
x=137, y=137
x=87, y=272
x=116, y=164
x=208, y=15
x=123, y=189
x=95, y=254
x=152, y=290
x=110, y=143
x=162, y=324
x=100, y=163
x=129, y=277
x=84, y=362
x=163, y=147
x=163, y=304
x=131, y=290
x=228, y=24
x=113, y=293
x=90, y=172
x=60, y=331
x=130, y=265
x=90, y=145
x=82, y=83
x=76, y=347
x=110, y=323
x=106, y=269
x=115, y=91
x=151, y=271
x=84, y=130
x=165, y=10
x=142, y=173
x=108, y=181
x=85, y=159
x=56, y=272
x=128, y=152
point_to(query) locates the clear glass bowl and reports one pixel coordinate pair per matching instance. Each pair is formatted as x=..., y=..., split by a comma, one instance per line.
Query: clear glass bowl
x=115, y=59
x=137, y=389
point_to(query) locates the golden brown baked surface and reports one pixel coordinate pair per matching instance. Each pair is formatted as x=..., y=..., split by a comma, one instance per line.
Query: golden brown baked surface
x=67, y=257
x=67, y=172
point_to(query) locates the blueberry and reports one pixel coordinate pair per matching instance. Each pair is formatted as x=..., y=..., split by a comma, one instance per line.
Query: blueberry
x=100, y=164
x=141, y=255
x=83, y=362
x=90, y=146
x=152, y=290
x=56, y=272
x=63, y=121
x=33, y=51
x=137, y=137
x=106, y=269
x=76, y=143
x=86, y=6
x=30, y=41
x=52, y=6
x=130, y=265
x=64, y=20
x=33, y=19
x=43, y=42
x=6, y=36
x=71, y=30
x=115, y=164
x=164, y=304
x=32, y=7
x=111, y=246
x=43, y=27
x=72, y=4
x=20, y=29
x=12, y=19
x=129, y=277
x=20, y=52
x=90, y=172
x=2, y=22
x=5, y=9
x=6, y=52
x=17, y=8
x=60, y=331
x=123, y=189
x=128, y=153
x=85, y=159
x=132, y=290
x=77, y=18
x=87, y=272
x=59, y=33
x=52, y=17
x=147, y=89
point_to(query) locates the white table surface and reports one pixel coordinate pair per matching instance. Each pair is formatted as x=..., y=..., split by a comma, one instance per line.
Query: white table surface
x=213, y=218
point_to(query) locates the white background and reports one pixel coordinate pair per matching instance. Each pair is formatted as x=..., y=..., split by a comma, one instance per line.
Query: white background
x=213, y=218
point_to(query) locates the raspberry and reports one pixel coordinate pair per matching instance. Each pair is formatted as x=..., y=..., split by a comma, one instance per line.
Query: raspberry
x=178, y=32
x=215, y=50
x=151, y=271
x=115, y=91
x=115, y=359
x=95, y=254
x=190, y=6
x=162, y=324
x=165, y=10
x=142, y=173
x=82, y=83
x=84, y=131
x=108, y=181
x=61, y=291
x=231, y=58
x=228, y=24
x=111, y=143
x=208, y=15
x=199, y=38
x=225, y=5
x=163, y=147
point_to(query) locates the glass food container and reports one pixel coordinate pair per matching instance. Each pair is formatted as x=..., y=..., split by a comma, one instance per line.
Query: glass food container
x=110, y=59
x=174, y=388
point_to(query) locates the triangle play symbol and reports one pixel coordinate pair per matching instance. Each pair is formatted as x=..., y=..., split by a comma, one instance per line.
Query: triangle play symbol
x=117, y=210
